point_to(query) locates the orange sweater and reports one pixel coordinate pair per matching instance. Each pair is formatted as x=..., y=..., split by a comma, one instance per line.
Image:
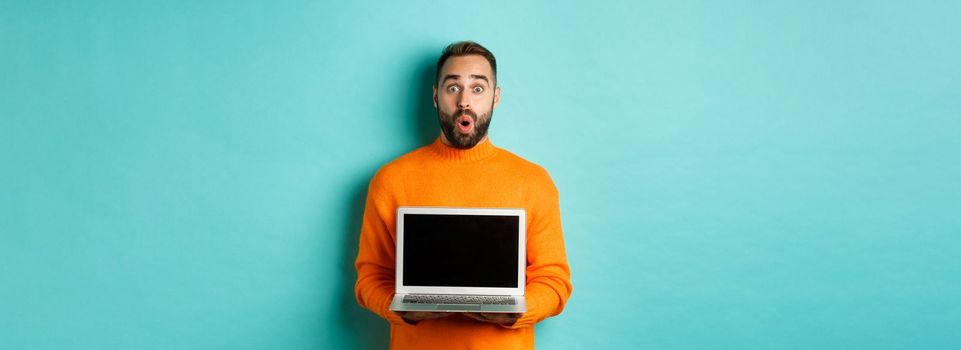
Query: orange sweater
x=483, y=176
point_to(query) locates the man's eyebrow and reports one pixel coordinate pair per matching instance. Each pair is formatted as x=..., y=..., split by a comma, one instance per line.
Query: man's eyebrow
x=473, y=76
x=484, y=77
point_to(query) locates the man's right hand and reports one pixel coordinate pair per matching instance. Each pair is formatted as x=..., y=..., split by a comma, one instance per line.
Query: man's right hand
x=413, y=317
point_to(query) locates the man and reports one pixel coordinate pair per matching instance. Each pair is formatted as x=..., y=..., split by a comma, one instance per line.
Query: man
x=461, y=168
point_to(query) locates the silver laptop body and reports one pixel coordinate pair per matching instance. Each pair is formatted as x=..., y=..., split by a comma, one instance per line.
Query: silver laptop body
x=460, y=260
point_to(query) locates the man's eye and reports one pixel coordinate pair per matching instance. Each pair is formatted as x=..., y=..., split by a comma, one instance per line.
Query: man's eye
x=453, y=88
x=478, y=89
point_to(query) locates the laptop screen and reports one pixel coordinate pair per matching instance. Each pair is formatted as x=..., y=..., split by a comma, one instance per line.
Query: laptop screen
x=460, y=250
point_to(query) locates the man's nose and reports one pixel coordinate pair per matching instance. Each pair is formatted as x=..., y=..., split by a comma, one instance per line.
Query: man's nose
x=463, y=101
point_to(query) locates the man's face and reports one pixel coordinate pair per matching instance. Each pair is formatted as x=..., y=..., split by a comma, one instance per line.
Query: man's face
x=465, y=98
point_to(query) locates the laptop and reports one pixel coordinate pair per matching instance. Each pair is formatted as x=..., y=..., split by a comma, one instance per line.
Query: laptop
x=460, y=260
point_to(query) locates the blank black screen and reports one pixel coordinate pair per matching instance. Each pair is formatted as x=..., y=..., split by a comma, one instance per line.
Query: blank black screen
x=460, y=250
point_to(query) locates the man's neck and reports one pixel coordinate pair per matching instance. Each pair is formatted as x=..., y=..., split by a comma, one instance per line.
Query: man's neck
x=443, y=138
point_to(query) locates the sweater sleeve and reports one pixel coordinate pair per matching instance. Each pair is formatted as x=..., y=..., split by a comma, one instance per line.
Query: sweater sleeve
x=548, y=274
x=375, y=256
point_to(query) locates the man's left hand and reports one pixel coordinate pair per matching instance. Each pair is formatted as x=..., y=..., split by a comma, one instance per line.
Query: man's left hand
x=505, y=320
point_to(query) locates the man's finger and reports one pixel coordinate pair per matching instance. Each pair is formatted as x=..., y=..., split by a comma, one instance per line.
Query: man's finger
x=475, y=316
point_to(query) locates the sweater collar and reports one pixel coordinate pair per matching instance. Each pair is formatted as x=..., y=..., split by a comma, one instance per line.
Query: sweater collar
x=480, y=151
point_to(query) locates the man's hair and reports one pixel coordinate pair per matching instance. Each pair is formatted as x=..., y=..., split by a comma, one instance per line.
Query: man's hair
x=465, y=48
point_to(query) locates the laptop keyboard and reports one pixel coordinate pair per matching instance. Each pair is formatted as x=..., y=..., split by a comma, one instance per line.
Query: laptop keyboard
x=459, y=299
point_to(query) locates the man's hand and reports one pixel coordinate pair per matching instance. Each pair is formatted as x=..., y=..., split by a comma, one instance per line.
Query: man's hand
x=412, y=317
x=505, y=320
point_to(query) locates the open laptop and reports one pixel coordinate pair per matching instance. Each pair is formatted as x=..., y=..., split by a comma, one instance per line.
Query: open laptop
x=460, y=260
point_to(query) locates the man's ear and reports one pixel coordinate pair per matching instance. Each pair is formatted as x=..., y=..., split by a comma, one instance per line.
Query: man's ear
x=497, y=96
x=435, y=97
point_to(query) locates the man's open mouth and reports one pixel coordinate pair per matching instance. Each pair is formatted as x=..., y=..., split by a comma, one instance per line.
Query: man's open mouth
x=465, y=124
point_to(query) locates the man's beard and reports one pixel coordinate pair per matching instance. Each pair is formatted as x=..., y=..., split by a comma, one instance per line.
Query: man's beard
x=457, y=139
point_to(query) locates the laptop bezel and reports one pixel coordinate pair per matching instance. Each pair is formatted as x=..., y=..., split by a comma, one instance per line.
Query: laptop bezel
x=521, y=253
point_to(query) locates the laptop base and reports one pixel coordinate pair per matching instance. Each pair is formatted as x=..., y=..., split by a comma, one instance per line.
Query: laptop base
x=398, y=304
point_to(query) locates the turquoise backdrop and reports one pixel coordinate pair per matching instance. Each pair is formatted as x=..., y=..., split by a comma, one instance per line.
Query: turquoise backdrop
x=733, y=175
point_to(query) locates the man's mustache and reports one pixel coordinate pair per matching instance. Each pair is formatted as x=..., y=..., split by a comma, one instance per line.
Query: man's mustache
x=462, y=112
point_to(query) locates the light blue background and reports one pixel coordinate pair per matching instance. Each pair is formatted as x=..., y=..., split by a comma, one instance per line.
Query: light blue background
x=738, y=175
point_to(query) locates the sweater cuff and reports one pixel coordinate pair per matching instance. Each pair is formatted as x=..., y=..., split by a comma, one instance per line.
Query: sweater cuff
x=529, y=318
x=390, y=316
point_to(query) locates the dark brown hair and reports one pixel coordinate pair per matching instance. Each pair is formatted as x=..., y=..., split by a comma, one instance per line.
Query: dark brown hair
x=465, y=48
